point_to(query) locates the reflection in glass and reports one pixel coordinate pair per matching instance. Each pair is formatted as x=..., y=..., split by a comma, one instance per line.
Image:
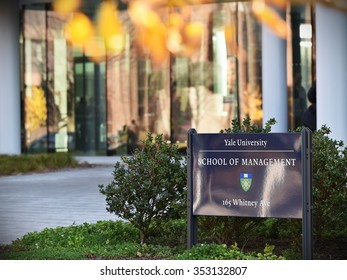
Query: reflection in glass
x=90, y=108
x=301, y=55
x=222, y=82
x=109, y=106
x=35, y=100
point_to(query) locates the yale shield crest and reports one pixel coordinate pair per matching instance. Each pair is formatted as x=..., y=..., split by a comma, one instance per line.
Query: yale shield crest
x=246, y=181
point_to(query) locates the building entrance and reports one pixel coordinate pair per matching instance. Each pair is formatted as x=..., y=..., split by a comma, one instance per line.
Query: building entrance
x=90, y=108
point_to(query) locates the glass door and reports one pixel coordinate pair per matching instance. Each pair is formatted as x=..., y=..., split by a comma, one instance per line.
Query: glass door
x=90, y=109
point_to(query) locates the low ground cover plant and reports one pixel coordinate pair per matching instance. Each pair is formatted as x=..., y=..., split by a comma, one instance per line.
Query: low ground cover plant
x=119, y=240
x=17, y=164
x=224, y=252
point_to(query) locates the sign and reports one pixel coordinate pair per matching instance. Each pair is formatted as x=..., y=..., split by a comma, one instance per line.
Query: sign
x=251, y=175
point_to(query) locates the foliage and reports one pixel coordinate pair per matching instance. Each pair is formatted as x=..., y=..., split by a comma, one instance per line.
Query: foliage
x=176, y=35
x=247, y=127
x=150, y=184
x=171, y=232
x=114, y=240
x=223, y=252
x=226, y=229
x=45, y=254
x=252, y=105
x=14, y=164
x=78, y=236
x=35, y=108
x=104, y=238
x=329, y=178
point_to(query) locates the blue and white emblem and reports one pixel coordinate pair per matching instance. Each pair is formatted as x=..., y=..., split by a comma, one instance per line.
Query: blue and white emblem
x=246, y=181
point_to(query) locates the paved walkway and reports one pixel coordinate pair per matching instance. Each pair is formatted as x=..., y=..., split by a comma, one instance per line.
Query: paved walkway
x=60, y=198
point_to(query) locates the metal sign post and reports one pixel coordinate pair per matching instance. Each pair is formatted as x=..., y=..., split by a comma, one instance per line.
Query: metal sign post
x=307, y=206
x=192, y=220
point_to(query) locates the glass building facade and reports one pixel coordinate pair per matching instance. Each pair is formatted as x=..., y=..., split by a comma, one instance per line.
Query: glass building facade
x=72, y=102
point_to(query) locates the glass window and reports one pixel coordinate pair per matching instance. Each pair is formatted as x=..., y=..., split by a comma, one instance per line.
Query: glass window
x=222, y=82
x=64, y=92
x=58, y=88
x=90, y=107
x=74, y=103
x=138, y=97
x=35, y=98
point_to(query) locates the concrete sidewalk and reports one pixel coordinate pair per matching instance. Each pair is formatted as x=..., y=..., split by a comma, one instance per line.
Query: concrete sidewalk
x=60, y=198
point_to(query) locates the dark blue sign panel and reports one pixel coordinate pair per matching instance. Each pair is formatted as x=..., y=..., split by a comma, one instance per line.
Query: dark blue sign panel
x=251, y=175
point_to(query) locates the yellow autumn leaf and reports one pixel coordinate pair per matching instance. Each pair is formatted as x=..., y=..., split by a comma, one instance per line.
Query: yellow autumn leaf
x=115, y=44
x=79, y=29
x=108, y=21
x=152, y=42
x=156, y=2
x=279, y=3
x=66, y=6
x=142, y=37
x=176, y=3
x=253, y=103
x=142, y=14
x=230, y=37
x=175, y=21
x=95, y=50
x=270, y=17
x=199, y=1
x=229, y=33
x=192, y=35
x=158, y=51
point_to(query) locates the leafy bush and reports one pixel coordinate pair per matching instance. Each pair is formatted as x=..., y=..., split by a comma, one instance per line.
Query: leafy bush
x=150, y=184
x=170, y=232
x=223, y=252
x=329, y=179
x=78, y=236
x=247, y=127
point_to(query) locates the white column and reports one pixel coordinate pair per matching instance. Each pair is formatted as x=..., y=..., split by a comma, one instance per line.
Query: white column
x=10, y=136
x=275, y=100
x=331, y=41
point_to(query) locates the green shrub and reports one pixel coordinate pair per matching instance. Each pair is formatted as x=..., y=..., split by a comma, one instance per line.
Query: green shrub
x=45, y=254
x=149, y=185
x=170, y=232
x=247, y=127
x=329, y=178
x=223, y=252
x=78, y=236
